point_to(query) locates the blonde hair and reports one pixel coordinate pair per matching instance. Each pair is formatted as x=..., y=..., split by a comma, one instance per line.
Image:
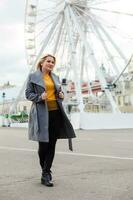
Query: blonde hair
x=39, y=66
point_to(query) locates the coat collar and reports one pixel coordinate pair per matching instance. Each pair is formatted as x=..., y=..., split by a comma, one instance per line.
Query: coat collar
x=37, y=78
x=56, y=81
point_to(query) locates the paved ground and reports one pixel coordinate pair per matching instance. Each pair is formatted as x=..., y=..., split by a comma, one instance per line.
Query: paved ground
x=100, y=168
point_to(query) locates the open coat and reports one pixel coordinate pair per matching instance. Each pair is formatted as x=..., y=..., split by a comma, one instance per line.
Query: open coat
x=38, y=117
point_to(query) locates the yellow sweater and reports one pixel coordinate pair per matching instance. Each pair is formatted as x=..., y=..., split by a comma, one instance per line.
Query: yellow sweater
x=50, y=90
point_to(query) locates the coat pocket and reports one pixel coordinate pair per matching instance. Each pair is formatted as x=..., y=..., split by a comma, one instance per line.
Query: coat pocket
x=33, y=123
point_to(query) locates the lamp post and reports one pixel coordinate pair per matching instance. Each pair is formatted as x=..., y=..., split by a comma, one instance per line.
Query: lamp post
x=3, y=120
x=64, y=87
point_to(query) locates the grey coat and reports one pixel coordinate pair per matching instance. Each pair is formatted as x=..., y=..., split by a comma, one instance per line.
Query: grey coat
x=38, y=117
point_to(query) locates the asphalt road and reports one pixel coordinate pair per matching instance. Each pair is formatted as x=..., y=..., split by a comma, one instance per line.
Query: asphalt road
x=100, y=168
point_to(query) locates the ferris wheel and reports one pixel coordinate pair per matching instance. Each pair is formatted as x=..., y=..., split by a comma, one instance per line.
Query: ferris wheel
x=83, y=35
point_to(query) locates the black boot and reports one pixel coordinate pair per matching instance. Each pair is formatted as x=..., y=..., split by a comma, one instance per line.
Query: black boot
x=50, y=175
x=49, y=172
x=46, y=179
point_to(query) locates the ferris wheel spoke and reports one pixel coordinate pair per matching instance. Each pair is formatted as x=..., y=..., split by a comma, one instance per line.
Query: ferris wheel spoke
x=45, y=18
x=88, y=3
x=112, y=27
x=86, y=43
x=108, y=52
x=42, y=11
x=93, y=59
x=84, y=21
x=46, y=41
x=59, y=33
x=59, y=2
x=103, y=21
x=65, y=48
x=82, y=4
x=73, y=60
x=112, y=11
x=55, y=30
x=62, y=41
x=110, y=39
x=112, y=42
x=44, y=28
x=102, y=41
x=97, y=2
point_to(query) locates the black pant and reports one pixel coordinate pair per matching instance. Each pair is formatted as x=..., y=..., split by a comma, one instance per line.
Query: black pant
x=46, y=150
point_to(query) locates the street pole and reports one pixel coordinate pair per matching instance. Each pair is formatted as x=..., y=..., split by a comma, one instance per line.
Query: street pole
x=3, y=119
x=64, y=87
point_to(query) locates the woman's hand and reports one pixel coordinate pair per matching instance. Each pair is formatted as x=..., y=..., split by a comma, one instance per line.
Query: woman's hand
x=61, y=95
x=44, y=96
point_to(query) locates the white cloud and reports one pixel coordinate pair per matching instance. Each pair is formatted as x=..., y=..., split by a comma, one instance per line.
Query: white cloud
x=13, y=65
x=12, y=59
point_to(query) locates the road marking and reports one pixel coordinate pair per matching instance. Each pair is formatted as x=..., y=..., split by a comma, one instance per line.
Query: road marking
x=69, y=153
x=16, y=149
x=96, y=156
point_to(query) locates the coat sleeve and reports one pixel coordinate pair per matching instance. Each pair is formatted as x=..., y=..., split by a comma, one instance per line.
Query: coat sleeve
x=30, y=93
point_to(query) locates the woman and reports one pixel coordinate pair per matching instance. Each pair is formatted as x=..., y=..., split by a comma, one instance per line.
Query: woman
x=47, y=119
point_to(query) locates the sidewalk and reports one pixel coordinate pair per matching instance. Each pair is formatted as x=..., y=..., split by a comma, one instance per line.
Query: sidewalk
x=100, y=168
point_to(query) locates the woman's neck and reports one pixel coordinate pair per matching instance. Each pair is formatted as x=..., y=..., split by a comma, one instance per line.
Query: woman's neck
x=45, y=72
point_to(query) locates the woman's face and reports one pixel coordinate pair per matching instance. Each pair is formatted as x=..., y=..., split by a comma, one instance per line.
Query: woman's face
x=48, y=64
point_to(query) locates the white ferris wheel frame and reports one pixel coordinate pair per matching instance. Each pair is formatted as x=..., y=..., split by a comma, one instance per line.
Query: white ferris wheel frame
x=68, y=17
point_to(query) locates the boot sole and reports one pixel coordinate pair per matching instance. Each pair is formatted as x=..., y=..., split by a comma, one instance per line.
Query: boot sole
x=46, y=184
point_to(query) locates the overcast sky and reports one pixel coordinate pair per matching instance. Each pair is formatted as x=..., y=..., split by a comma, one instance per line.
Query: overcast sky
x=12, y=53
x=13, y=65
